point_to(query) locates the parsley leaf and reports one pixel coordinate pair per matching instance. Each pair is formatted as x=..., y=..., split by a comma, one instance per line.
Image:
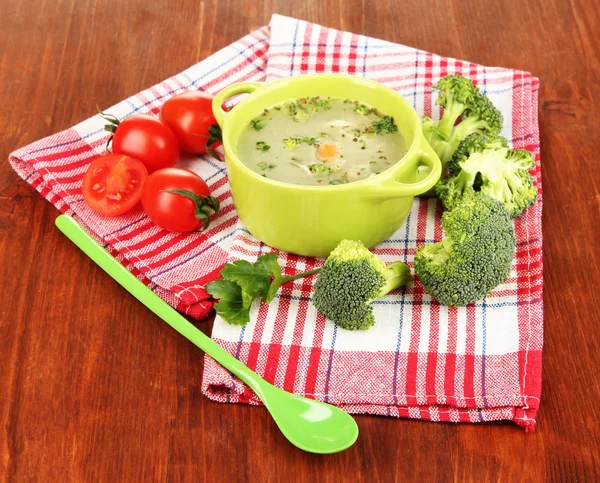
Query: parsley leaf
x=254, y=279
x=230, y=305
x=256, y=125
x=264, y=166
x=243, y=282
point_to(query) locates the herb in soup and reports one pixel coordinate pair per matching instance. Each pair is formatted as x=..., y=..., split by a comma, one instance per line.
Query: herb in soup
x=384, y=125
x=292, y=143
x=256, y=124
x=321, y=141
x=263, y=166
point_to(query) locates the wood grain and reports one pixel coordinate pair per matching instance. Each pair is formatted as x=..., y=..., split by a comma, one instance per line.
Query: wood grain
x=95, y=388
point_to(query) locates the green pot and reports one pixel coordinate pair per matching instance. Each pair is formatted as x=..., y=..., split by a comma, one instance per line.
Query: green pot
x=312, y=220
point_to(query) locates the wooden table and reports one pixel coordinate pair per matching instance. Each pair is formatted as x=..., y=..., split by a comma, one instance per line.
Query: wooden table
x=95, y=388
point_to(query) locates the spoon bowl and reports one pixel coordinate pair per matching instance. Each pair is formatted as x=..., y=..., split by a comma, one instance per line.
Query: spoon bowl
x=310, y=425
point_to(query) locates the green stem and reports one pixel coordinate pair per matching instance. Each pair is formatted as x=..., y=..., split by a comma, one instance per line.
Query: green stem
x=206, y=206
x=299, y=275
x=397, y=275
x=111, y=127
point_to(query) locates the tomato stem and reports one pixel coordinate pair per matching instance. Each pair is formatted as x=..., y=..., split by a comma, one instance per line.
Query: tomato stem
x=206, y=206
x=215, y=136
x=111, y=127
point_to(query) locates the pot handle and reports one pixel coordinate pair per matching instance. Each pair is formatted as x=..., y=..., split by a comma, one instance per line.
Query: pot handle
x=230, y=91
x=424, y=157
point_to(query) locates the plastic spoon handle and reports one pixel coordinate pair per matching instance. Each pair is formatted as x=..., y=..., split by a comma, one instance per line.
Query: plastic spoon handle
x=308, y=424
x=135, y=287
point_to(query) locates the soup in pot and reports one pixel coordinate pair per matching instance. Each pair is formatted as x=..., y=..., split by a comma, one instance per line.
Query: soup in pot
x=320, y=141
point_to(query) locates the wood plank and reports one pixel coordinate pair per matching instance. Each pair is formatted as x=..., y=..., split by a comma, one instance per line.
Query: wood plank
x=95, y=388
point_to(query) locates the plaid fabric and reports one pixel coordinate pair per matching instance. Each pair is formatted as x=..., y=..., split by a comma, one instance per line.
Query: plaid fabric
x=421, y=360
x=175, y=266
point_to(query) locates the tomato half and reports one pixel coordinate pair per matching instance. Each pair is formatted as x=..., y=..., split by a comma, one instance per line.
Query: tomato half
x=147, y=139
x=113, y=184
x=178, y=200
x=189, y=115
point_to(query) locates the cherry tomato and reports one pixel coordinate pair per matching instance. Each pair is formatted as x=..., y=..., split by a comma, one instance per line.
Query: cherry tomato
x=147, y=139
x=178, y=200
x=189, y=115
x=113, y=184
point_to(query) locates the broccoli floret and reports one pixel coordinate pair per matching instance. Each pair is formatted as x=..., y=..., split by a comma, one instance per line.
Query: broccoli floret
x=350, y=280
x=474, y=257
x=321, y=170
x=385, y=125
x=474, y=143
x=486, y=164
x=462, y=101
x=293, y=142
x=362, y=109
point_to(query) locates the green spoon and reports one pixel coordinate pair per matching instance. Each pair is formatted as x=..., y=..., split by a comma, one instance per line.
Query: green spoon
x=310, y=425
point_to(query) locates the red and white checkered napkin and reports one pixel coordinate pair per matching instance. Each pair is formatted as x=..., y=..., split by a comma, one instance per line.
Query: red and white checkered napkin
x=175, y=266
x=421, y=360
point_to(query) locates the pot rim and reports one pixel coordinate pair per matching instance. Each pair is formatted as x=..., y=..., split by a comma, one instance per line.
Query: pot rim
x=256, y=89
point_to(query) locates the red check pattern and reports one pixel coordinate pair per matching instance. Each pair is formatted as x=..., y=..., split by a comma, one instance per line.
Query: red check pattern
x=175, y=266
x=421, y=360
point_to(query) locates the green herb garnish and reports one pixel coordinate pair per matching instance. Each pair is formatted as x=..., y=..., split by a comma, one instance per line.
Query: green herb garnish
x=320, y=169
x=293, y=142
x=385, y=125
x=342, y=180
x=319, y=103
x=256, y=124
x=265, y=166
x=262, y=146
x=242, y=282
x=362, y=109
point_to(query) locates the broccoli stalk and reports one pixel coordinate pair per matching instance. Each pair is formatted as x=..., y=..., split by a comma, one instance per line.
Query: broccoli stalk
x=397, y=274
x=350, y=280
x=486, y=164
x=476, y=255
x=466, y=111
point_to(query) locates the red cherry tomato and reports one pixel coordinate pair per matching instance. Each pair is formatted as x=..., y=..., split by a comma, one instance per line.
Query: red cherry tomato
x=178, y=200
x=113, y=184
x=189, y=115
x=147, y=139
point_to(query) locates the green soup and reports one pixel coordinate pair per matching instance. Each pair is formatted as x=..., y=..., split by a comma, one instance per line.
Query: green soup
x=320, y=141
